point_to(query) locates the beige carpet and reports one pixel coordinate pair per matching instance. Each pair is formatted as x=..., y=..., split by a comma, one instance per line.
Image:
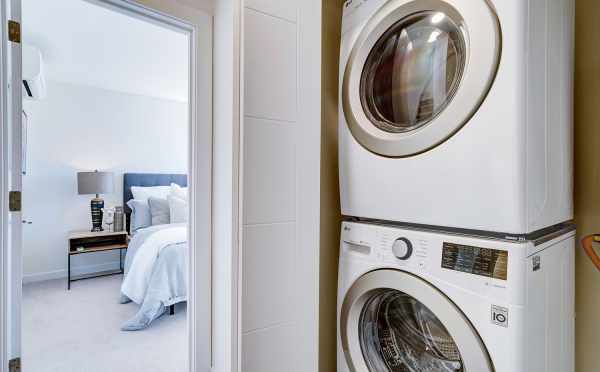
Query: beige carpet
x=78, y=331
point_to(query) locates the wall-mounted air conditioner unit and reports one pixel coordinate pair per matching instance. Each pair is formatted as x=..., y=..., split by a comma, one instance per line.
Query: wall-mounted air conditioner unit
x=34, y=81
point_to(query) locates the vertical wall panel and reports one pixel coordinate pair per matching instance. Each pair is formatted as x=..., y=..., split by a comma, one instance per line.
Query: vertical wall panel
x=269, y=276
x=281, y=185
x=270, y=64
x=269, y=350
x=269, y=241
x=269, y=182
x=286, y=9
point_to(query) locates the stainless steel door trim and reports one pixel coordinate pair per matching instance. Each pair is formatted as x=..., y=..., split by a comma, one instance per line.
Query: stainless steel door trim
x=483, y=58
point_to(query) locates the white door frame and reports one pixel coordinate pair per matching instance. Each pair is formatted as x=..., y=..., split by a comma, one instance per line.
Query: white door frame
x=198, y=21
x=10, y=158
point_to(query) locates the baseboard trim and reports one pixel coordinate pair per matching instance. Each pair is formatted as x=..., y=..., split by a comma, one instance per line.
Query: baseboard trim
x=62, y=274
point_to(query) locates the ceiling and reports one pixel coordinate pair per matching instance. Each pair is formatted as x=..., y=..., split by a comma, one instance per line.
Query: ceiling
x=87, y=44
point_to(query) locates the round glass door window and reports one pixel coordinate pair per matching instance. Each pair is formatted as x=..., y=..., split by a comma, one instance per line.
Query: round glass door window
x=413, y=71
x=399, y=334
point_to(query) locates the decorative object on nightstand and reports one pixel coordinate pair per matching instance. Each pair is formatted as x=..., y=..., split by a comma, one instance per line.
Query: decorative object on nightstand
x=118, y=219
x=108, y=215
x=83, y=242
x=89, y=183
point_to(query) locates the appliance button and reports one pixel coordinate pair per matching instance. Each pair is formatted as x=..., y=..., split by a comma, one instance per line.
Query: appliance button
x=402, y=248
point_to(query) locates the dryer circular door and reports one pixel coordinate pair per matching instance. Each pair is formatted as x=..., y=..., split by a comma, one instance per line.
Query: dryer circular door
x=418, y=72
x=393, y=321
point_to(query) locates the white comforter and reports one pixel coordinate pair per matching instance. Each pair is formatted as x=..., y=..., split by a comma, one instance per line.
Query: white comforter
x=155, y=275
x=138, y=276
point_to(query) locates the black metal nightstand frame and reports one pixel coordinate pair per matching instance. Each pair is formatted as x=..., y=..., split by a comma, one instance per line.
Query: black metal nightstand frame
x=85, y=243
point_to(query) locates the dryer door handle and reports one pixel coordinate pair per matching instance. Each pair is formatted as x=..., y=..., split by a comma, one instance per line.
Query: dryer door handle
x=588, y=247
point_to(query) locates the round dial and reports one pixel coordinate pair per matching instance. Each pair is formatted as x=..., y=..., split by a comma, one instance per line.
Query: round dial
x=402, y=248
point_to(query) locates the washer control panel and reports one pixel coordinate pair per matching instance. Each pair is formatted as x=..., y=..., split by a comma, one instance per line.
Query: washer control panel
x=476, y=264
x=492, y=263
x=402, y=248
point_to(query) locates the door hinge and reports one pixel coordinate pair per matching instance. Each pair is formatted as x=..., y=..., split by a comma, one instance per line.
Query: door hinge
x=14, y=365
x=14, y=201
x=14, y=31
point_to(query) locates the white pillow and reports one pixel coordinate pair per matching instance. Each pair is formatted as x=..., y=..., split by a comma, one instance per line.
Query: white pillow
x=159, y=210
x=178, y=209
x=140, y=215
x=179, y=192
x=143, y=193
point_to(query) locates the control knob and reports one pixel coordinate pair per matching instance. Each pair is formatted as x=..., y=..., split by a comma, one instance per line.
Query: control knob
x=402, y=248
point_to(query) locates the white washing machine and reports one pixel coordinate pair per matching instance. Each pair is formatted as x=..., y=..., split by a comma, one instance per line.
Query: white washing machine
x=417, y=300
x=457, y=113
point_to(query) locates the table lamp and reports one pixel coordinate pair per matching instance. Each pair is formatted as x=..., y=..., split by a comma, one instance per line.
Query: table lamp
x=90, y=183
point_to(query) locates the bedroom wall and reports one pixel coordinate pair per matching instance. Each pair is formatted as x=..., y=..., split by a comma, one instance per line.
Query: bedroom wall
x=79, y=128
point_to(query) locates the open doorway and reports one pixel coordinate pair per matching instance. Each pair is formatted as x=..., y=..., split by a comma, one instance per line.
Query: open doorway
x=112, y=94
x=105, y=182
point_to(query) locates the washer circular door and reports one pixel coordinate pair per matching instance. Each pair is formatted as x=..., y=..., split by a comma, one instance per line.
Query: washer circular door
x=418, y=72
x=393, y=321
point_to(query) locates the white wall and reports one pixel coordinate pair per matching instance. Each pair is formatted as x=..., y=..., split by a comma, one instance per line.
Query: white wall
x=78, y=128
x=281, y=185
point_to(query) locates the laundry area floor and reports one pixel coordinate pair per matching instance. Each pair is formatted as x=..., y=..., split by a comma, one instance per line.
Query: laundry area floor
x=79, y=331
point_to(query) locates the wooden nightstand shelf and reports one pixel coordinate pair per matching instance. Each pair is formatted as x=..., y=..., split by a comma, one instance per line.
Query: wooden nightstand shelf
x=84, y=242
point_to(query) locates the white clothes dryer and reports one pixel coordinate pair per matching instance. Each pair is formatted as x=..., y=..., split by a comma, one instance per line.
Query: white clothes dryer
x=421, y=300
x=457, y=113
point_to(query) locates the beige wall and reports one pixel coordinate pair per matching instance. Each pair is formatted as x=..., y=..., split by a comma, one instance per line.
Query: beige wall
x=330, y=198
x=587, y=179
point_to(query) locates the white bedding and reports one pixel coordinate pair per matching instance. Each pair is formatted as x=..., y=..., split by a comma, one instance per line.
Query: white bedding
x=155, y=272
x=138, y=276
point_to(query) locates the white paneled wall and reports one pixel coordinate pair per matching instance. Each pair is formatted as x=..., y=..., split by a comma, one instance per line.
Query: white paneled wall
x=269, y=279
x=270, y=61
x=281, y=144
x=270, y=148
x=286, y=9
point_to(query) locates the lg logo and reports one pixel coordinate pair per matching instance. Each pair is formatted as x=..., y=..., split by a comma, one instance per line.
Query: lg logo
x=500, y=316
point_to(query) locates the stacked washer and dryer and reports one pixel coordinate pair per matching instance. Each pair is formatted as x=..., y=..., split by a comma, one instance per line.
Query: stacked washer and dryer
x=455, y=143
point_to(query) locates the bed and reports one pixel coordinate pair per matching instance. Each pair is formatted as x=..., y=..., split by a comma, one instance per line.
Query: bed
x=156, y=264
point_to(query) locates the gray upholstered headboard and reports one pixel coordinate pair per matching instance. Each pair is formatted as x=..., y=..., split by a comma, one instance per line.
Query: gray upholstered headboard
x=147, y=179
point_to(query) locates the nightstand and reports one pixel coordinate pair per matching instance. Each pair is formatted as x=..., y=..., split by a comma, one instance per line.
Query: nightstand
x=87, y=242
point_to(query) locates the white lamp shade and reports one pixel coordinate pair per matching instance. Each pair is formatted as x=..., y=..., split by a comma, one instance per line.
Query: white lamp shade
x=95, y=183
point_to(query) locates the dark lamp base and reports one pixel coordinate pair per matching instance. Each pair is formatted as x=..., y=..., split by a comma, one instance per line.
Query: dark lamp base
x=97, y=205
